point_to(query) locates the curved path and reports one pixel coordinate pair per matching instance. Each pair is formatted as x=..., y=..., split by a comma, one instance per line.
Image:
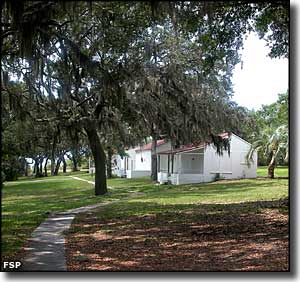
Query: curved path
x=45, y=250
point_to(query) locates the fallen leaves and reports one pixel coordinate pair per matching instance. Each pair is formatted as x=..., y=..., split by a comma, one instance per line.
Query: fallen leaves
x=197, y=240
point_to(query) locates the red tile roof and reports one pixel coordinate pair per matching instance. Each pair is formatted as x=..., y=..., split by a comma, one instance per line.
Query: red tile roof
x=185, y=148
x=223, y=135
x=148, y=146
x=190, y=147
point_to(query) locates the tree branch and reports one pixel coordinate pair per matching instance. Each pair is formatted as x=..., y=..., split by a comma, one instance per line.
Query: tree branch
x=85, y=100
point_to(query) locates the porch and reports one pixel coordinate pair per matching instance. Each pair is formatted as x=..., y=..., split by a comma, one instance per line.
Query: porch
x=181, y=166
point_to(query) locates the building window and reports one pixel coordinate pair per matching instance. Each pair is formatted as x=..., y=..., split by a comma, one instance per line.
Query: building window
x=243, y=158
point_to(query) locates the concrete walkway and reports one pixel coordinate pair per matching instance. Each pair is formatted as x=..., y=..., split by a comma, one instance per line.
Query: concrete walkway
x=46, y=247
x=88, y=181
x=81, y=179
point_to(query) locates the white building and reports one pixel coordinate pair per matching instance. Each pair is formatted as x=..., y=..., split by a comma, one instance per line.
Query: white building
x=196, y=164
x=137, y=163
x=189, y=163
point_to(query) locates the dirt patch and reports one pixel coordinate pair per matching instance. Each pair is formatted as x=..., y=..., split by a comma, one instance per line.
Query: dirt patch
x=195, y=240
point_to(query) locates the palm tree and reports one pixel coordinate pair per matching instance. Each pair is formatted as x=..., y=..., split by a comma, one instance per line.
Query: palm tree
x=272, y=143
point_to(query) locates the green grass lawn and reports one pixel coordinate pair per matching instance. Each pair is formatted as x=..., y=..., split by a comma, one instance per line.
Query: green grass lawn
x=280, y=171
x=167, y=198
x=25, y=204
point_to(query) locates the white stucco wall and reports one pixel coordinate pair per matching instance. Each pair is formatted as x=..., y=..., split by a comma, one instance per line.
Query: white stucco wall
x=191, y=163
x=233, y=166
x=240, y=168
x=180, y=178
x=229, y=167
x=163, y=166
x=143, y=160
x=162, y=177
x=116, y=165
x=120, y=168
x=131, y=159
x=137, y=173
x=92, y=170
x=146, y=155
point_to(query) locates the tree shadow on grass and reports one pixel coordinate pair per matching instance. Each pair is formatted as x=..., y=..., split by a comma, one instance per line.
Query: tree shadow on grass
x=209, y=237
x=224, y=184
x=219, y=191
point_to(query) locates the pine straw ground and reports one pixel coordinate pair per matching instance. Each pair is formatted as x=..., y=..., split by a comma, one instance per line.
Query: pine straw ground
x=207, y=237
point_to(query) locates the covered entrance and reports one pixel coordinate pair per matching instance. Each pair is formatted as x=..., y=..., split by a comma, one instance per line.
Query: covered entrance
x=182, y=165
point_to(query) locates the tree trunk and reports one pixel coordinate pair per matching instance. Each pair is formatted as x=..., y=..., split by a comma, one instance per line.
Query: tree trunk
x=45, y=167
x=154, y=159
x=272, y=165
x=52, y=166
x=64, y=164
x=109, y=156
x=41, y=167
x=57, y=166
x=271, y=169
x=36, y=170
x=75, y=159
x=99, y=158
x=22, y=163
x=26, y=169
x=34, y=167
x=53, y=153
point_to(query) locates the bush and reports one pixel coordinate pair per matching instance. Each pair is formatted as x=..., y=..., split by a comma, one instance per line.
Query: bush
x=10, y=174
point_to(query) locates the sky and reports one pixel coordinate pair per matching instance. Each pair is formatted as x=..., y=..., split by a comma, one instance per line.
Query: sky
x=262, y=78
